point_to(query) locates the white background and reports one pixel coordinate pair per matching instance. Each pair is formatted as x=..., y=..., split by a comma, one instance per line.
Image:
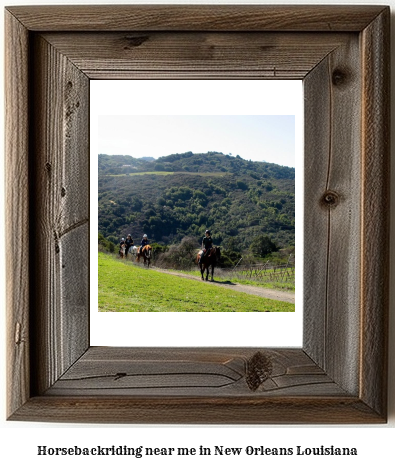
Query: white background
x=19, y=441
x=197, y=97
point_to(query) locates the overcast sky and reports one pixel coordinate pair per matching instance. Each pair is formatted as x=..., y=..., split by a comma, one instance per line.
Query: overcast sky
x=257, y=138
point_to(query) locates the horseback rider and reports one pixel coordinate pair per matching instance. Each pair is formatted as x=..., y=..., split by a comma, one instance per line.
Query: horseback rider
x=121, y=246
x=144, y=242
x=207, y=244
x=128, y=243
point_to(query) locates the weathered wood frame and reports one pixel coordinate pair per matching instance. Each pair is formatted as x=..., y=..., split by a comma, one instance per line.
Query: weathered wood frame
x=342, y=54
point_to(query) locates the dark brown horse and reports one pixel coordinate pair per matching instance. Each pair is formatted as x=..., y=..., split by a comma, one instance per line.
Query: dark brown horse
x=211, y=258
x=146, y=253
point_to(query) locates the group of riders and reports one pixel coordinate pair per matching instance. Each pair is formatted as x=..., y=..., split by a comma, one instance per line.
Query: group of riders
x=126, y=244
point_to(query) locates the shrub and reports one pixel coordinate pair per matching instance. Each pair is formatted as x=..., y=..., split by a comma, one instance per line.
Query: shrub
x=229, y=258
x=262, y=246
x=181, y=256
x=105, y=245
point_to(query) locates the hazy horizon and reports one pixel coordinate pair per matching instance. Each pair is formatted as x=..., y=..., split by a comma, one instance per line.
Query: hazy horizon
x=197, y=153
x=259, y=138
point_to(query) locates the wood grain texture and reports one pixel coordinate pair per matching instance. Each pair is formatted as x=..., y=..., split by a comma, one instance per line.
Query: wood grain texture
x=60, y=185
x=196, y=17
x=376, y=211
x=74, y=293
x=339, y=376
x=198, y=410
x=332, y=214
x=17, y=213
x=196, y=55
x=317, y=113
x=191, y=372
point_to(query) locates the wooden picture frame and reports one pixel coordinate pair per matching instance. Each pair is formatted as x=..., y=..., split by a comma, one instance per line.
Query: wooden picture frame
x=340, y=374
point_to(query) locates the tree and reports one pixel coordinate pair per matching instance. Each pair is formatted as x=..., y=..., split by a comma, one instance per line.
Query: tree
x=105, y=244
x=229, y=258
x=262, y=246
x=242, y=185
x=232, y=244
x=185, y=203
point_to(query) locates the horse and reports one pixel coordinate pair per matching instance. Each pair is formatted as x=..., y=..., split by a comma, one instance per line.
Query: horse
x=146, y=253
x=133, y=250
x=122, y=250
x=210, y=259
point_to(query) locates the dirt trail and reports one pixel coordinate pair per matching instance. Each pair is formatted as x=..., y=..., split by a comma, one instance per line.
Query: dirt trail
x=253, y=290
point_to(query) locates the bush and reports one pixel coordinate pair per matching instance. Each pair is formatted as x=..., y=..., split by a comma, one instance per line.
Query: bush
x=105, y=245
x=158, y=248
x=263, y=246
x=242, y=185
x=181, y=256
x=229, y=258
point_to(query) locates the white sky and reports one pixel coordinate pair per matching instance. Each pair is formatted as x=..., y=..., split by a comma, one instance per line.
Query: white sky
x=257, y=138
x=255, y=119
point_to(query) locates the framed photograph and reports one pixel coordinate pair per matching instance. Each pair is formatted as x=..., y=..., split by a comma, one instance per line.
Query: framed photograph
x=197, y=155
x=339, y=375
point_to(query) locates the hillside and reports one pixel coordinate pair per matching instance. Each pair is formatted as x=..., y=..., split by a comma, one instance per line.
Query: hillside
x=183, y=194
x=169, y=293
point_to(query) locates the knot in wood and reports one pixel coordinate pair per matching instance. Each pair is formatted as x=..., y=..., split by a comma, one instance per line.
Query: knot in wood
x=330, y=199
x=259, y=369
x=18, y=334
x=135, y=41
x=339, y=77
x=120, y=375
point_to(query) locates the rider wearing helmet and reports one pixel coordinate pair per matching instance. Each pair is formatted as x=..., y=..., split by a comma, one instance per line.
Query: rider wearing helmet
x=128, y=243
x=207, y=244
x=144, y=241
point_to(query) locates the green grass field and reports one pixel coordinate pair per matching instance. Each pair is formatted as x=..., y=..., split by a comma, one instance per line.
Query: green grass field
x=126, y=287
x=228, y=276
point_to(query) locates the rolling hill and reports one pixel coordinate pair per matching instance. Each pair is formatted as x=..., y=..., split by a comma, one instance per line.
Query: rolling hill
x=181, y=195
